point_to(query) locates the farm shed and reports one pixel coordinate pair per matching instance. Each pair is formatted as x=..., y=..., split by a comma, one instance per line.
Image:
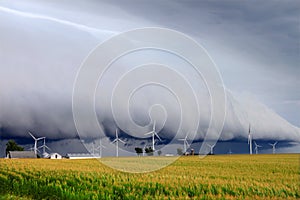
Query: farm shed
x=21, y=154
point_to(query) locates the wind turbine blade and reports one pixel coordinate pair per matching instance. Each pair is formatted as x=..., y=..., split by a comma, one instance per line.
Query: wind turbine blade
x=275, y=143
x=154, y=126
x=209, y=145
x=40, y=138
x=117, y=136
x=32, y=136
x=181, y=139
x=99, y=147
x=157, y=136
x=151, y=132
x=255, y=143
x=122, y=141
x=48, y=148
x=114, y=141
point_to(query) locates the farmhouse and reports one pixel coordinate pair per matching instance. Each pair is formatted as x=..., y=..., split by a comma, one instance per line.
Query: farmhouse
x=21, y=154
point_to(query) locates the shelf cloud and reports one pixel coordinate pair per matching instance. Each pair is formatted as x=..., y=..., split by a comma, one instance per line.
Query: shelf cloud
x=41, y=54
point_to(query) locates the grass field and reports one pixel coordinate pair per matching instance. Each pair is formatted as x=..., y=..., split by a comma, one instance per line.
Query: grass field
x=221, y=177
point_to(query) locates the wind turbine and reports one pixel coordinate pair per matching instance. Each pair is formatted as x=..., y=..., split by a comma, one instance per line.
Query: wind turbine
x=273, y=146
x=44, y=146
x=185, y=143
x=250, y=140
x=99, y=148
x=256, y=147
x=35, y=142
x=153, y=133
x=211, y=148
x=229, y=152
x=117, y=142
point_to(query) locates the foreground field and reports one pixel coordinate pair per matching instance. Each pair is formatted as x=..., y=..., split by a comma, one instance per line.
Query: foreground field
x=222, y=177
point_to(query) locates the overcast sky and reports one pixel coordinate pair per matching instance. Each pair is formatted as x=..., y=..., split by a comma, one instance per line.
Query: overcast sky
x=255, y=46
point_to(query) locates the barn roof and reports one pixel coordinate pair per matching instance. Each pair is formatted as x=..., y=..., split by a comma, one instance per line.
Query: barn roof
x=21, y=154
x=53, y=154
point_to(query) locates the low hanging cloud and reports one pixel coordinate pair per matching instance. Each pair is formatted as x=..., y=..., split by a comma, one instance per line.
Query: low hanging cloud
x=40, y=57
x=265, y=123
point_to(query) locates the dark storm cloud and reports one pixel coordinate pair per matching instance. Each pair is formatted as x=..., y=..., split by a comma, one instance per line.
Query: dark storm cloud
x=255, y=44
x=255, y=47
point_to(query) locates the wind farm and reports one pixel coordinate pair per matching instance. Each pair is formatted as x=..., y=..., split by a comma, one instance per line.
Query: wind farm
x=97, y=149
x=170, y=100
x=104, y=171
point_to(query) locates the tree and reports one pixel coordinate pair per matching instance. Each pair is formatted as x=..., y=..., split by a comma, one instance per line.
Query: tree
x=179, y=151
x=11, y=145
x=149, y=151
x=159, y=152
x=138, y=151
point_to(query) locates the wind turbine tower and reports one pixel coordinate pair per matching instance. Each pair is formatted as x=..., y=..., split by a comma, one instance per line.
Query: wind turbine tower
x=117, y=140
x=153, y=133
x=273, y=147
x=35, y=148
x=250, y=140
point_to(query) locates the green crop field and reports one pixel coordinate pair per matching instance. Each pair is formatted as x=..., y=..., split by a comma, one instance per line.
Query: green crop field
x=213, y=177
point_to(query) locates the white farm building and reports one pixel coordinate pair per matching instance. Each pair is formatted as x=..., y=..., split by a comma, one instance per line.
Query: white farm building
x=55, y=156
x=81, y=156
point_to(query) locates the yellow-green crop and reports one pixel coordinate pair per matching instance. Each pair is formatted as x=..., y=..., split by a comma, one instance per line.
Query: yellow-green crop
x=221, y=177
